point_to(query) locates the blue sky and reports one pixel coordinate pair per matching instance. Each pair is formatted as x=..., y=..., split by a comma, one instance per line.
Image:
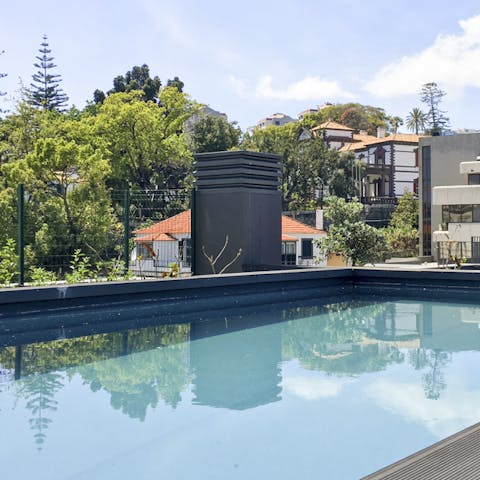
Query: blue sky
x=253, y=58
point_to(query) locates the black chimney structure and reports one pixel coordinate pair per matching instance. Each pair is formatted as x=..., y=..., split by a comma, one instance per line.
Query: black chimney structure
x=237, y=212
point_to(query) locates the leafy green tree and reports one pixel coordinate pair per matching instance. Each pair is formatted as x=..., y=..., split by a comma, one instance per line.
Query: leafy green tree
x=435, y=118
x=215, y=134
x=355, y=118
x=177, y=83
x=416, y=120
x=2, y=75
x=311, y=169
x=395, y=122
x=355, y=115
x=45, y=91
x=146, y=145
x=64, y=171
x=402, y=231
x=349, y=235
x=347, y=172
x=138, y=78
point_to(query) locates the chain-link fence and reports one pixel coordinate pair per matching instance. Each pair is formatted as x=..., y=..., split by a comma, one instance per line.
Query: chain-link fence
x=120, y=234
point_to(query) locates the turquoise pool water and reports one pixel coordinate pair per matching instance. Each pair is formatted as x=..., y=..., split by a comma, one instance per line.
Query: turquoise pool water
x=297, y=390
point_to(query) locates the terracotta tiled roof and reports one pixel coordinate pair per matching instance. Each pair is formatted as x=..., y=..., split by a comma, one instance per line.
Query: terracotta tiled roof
x=397, y=137
x=369, y=140
x=289, y=225
x=286, y=238
x=358, y=137
x=352, y=147
x=332, y=126
x=180, y=224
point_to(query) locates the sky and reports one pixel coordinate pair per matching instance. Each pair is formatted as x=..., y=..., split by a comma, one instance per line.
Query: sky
x=251, y=59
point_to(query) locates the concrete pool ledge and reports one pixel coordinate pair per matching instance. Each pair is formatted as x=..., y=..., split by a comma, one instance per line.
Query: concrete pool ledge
x=360, y=280
x=154, y=286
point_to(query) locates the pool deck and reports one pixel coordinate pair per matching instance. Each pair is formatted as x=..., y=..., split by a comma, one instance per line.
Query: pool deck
x=455, y=457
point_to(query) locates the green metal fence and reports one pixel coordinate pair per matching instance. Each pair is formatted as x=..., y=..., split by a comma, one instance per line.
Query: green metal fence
x=46, y=243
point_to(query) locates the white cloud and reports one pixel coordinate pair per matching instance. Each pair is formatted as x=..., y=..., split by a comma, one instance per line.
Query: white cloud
x=310, y=88
x=239, y=86
x=453, y=61
x=454, y=410
x=313, y=388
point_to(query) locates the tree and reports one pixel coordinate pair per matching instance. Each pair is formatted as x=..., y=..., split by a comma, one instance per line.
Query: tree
x=395, y=122
x=310, y=168
x=2, y=75
x=45, y=91
x=145, y=140
x=416, y=120
x=355, y=115
x=349, y=235
x=435, y=119
x=402, y=231
x=138, y=78
x=177, y=83
x=215, y=134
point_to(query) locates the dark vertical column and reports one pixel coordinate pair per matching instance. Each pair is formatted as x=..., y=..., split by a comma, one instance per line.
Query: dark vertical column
x=238, y=212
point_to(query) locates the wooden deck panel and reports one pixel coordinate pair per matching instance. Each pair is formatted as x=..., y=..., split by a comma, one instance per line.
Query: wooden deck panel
x=455, y=458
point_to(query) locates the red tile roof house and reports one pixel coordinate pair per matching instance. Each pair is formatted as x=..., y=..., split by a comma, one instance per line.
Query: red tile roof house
x=168, y=241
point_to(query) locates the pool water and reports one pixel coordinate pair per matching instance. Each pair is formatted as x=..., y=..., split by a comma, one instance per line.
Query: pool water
x=298, y=390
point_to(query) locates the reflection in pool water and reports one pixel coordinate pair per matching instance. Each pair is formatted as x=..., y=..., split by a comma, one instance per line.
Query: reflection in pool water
x=335, y=391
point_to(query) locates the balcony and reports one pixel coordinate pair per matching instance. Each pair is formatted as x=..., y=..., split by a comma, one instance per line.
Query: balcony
x=456, y=195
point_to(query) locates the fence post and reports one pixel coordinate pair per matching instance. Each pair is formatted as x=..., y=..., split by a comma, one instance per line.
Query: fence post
x=126, y=231
x=192, y=234
x=21, y=235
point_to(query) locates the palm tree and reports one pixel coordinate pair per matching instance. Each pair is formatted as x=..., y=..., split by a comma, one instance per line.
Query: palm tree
x=416, y=120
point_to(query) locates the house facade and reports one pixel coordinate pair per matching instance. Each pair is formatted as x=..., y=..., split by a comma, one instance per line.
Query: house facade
x=391, y=166
x=168, y=242
x=450, y=197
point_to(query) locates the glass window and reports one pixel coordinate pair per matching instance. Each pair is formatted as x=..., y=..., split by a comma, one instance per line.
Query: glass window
x=455, y=214
x=476, y=213
x=145, y=250
x=467, y=213
x=474, y=179
x=445, y=214
x=185, y=251
x=289, y=253
x=307, y=248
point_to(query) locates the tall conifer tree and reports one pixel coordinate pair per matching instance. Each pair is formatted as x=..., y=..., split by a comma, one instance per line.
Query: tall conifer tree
x=1, y=76
x=45, y=91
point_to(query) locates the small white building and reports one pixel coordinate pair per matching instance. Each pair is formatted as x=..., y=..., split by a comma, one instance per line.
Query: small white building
x=168, y=242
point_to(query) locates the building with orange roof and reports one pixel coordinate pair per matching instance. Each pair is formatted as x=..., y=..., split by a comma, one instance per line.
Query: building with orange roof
x=391, y=165
x=169, y=241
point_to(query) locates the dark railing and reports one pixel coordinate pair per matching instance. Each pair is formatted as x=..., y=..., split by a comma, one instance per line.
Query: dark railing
x=380, y=200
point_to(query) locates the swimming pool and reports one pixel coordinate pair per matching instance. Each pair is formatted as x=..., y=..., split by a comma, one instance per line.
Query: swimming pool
x=254, y=386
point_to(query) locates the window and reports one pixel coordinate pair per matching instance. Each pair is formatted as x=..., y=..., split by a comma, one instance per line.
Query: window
x=145, y=250
x=474, y=178
x=185, y=251
x=380, y=156
x=476, y=213
x=289, y=253
x=460, y=213
x=307, y=248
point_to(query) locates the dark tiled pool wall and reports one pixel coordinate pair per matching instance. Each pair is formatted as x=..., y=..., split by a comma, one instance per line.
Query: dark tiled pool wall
x=441, y=284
